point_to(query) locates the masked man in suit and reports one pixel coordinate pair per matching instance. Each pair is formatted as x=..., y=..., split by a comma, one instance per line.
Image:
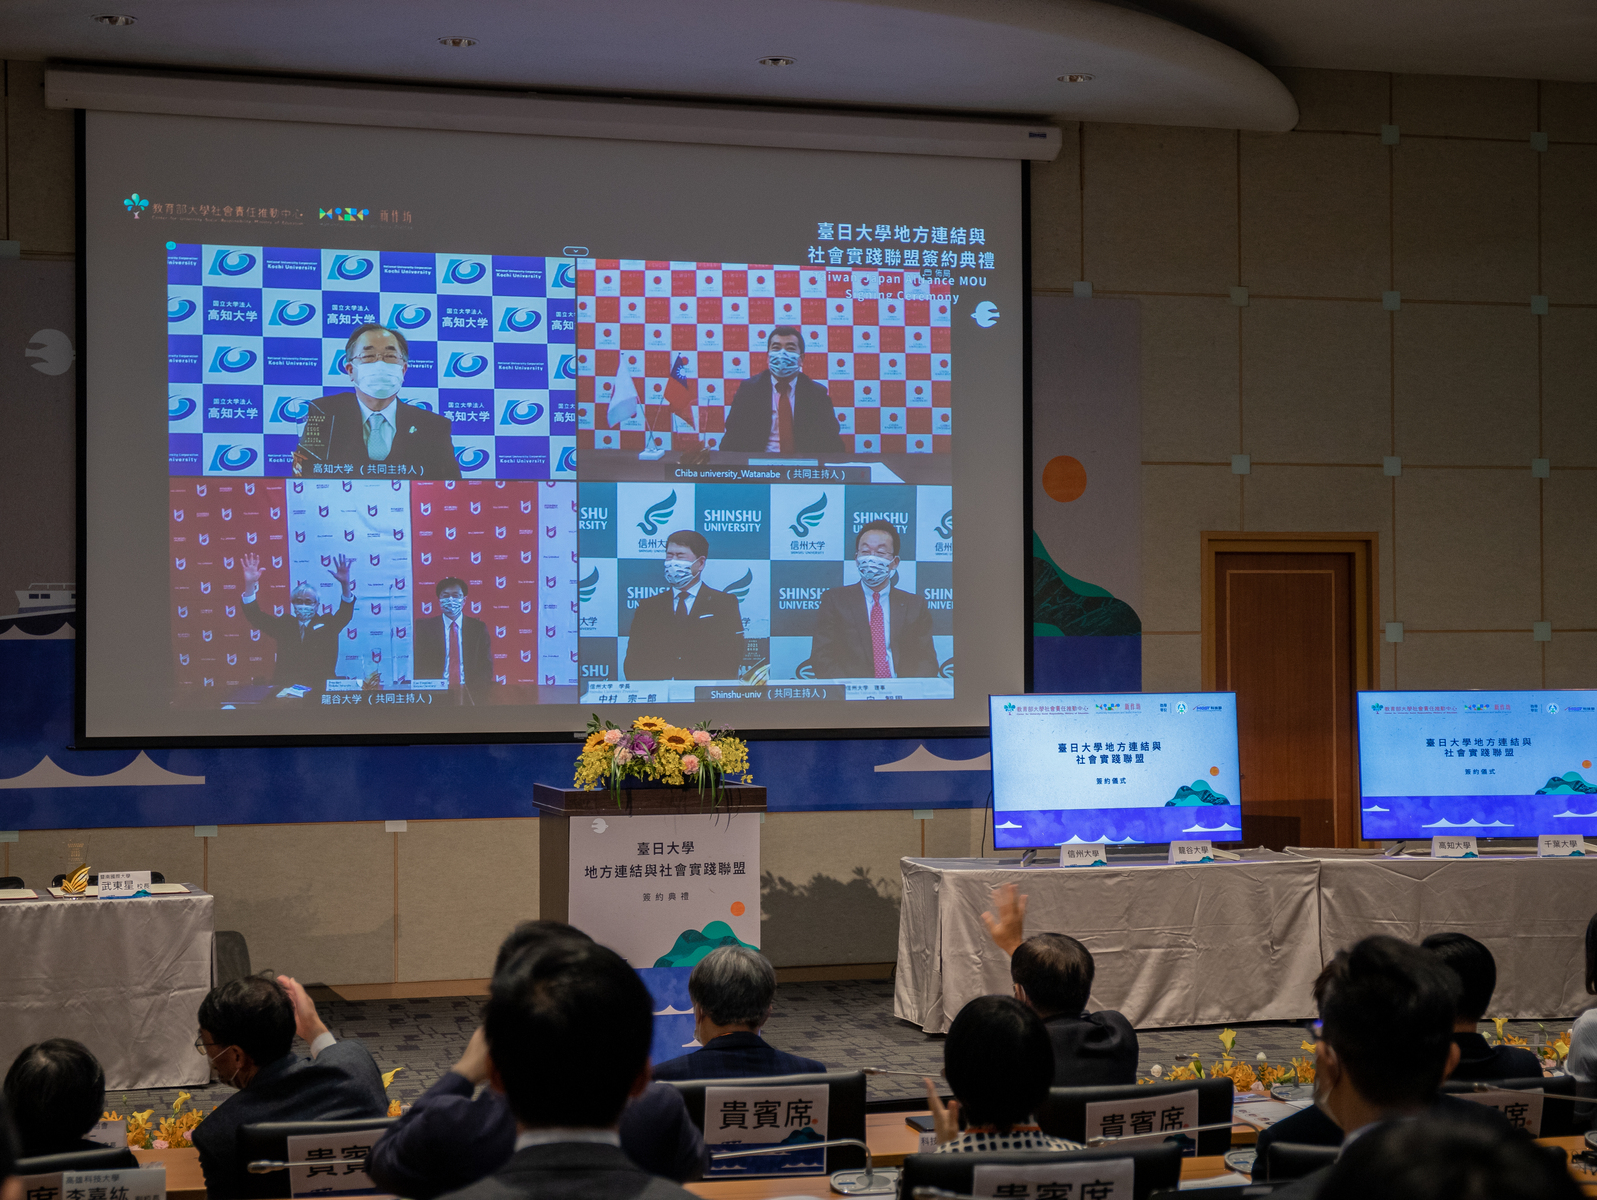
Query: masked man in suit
x=873, y=630
x=307, y=639
x=372, y=431
x=454, y=646
x=690, y=630
x=782, y=410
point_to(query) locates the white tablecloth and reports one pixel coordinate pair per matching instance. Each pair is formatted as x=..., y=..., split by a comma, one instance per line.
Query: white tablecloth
x=124, y=977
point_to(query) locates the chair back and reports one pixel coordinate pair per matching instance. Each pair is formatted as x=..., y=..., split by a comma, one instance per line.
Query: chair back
x=111, y=1158
x=1527, y=1111
x=845, y=1102
x=8, y=882
x=1150, y=1165
x=1292, y=1160
x=269, y=1140
x=1078, y=1113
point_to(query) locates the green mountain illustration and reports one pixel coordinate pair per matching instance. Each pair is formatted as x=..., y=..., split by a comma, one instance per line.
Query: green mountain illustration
x=694, y=944
x=1198, y=794
x=1568, y=784
x=799, y=1136
x=1064, y=606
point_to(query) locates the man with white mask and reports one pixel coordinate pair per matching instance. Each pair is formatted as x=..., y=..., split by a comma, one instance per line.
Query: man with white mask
x=307, y=638
x=371, y=433
x=871, y=629
x=688, y=630
x=453, y=646
x=781, y=410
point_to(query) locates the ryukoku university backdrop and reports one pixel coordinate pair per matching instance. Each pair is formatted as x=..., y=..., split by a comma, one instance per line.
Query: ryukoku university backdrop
x=255, y=333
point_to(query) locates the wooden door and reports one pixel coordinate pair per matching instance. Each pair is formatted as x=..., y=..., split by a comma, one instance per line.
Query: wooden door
x=1285, y=641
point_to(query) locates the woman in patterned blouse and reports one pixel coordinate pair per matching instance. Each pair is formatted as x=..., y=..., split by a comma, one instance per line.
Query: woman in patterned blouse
x=1000, y=1063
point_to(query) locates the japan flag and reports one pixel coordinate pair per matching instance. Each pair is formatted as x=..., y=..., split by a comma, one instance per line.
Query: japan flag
x=624, y=396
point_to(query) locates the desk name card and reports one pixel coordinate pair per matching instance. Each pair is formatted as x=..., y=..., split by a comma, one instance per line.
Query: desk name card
x=1191, y=852
x=1454, y=847
x=116, y=885
x=1560, y=845
x=1084, y=856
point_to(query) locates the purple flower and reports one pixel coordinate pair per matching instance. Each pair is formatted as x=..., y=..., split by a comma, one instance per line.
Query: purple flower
x=642, y=743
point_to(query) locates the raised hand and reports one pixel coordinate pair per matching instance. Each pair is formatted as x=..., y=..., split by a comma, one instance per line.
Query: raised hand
x=945, y=1117
x=340, y=571
x=252, y=570
x=1007, y=928
x=307, y=1023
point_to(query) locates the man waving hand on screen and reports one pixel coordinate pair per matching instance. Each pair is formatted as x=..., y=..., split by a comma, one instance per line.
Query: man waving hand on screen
x=307, y=639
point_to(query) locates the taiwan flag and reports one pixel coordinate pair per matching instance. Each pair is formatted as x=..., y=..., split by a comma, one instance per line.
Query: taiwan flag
x=679, y=392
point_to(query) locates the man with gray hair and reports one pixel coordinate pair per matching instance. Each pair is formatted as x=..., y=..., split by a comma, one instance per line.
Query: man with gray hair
x=307, y=638
x=732, y=989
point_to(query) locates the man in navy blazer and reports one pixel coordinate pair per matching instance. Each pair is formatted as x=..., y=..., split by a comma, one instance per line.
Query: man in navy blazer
x=782, y=410
x=844, y=645
x=691, y=630
x=451, y=1138
x=732, y=989
x=247, y=1030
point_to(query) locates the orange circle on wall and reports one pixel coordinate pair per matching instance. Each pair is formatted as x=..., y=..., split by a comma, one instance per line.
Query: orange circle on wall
x=1214, y=770
x=737, y=908
x=1064, y=478
x=1587, y=764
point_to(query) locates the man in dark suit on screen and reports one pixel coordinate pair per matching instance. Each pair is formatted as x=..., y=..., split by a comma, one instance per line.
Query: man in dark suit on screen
x=371, y=430
x=873, y=630
x=782, y=410
x=690, y=630
x=247, y=1030
x=454, y=646
x=307, y=639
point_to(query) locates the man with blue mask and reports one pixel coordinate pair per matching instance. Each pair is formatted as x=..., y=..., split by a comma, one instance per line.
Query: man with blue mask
x=871, y=629
x=371, y=433
x=688, y=630
x=306, y=637
x=781, y=410
x=455, y=647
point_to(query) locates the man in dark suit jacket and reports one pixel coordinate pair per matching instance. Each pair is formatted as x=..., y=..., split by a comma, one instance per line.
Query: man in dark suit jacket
x=450, y=1138
x=1477, y=970
x=307, y=638
x=454, y=646
x=691, y=630
x=733, y=989
x=372, y=431
x=844, y=643
x=568, y=1027
x=247, y=1030
x=782, y=410
x=1053, y=974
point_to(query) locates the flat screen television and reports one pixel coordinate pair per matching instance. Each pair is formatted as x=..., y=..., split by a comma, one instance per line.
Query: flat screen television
x=1129, y=767
x=1494, y=764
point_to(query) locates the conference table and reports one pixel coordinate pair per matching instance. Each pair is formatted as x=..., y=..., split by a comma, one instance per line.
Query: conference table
x=1233, y=941
x=124, y=977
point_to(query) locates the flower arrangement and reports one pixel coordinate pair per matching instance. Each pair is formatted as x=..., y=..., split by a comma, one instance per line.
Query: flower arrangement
x=170, y=1133
x=657, y=751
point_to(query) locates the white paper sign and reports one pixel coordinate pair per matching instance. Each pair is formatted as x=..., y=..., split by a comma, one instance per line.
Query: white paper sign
x=1191, y=852
x=1523, y=1109
x=1560, y=845
x=1083, y=856
x=1092, y=1179
x=109, y=1133
x=1454, y=847
x=122, y=884
x=1140, y=1115
x=143, y=1183
x=335, y=1164
x=742, y=1118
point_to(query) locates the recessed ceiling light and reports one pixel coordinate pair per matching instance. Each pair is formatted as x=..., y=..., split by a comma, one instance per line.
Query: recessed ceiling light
x=114, y=19
x=459, y=43
x=776, y=60
x=1075, y=77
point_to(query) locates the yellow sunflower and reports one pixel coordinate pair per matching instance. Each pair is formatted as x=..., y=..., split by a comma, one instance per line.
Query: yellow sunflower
x=652, y=724
x=594, y=739
x=679, y=740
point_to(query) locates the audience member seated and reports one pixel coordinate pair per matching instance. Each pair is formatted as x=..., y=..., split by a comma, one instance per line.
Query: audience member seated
x=1384, y=1046
x=732, y=989
x=1053, y=974
x=10, y=1181
x=998, y=1060
x=1582, y=1060
x=449, y=1138
x=1477, y=971
x=247, y=1030
x=568, y=1027
x=1434, y=1158
x=57, y=1091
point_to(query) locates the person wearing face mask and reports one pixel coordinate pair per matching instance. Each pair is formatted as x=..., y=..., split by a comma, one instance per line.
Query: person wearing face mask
x=371, y=433
x=247, y=1030
x=689, y=630
x=872, y=630
x=451, y=645
x=307, y=638
x=782, y=410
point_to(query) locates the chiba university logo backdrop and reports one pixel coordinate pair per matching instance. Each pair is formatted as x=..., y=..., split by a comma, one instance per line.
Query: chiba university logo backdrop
x=255, y=333
x=884, y=359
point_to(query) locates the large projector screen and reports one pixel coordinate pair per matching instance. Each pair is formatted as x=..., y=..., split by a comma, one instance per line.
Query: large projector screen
x=472, y=434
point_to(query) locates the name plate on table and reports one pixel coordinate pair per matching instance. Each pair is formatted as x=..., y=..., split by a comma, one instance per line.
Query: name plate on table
x=1560, y=845
x=1099, y=1177
x=331, y=1164
x=122, y=884
x=109, y=1133
x=1191, y=852
x=1523, y=1109
x=741, y=1118
x=1454, y=847
x=143, y=1183
x=1157, y=1114
x=1083, y=856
